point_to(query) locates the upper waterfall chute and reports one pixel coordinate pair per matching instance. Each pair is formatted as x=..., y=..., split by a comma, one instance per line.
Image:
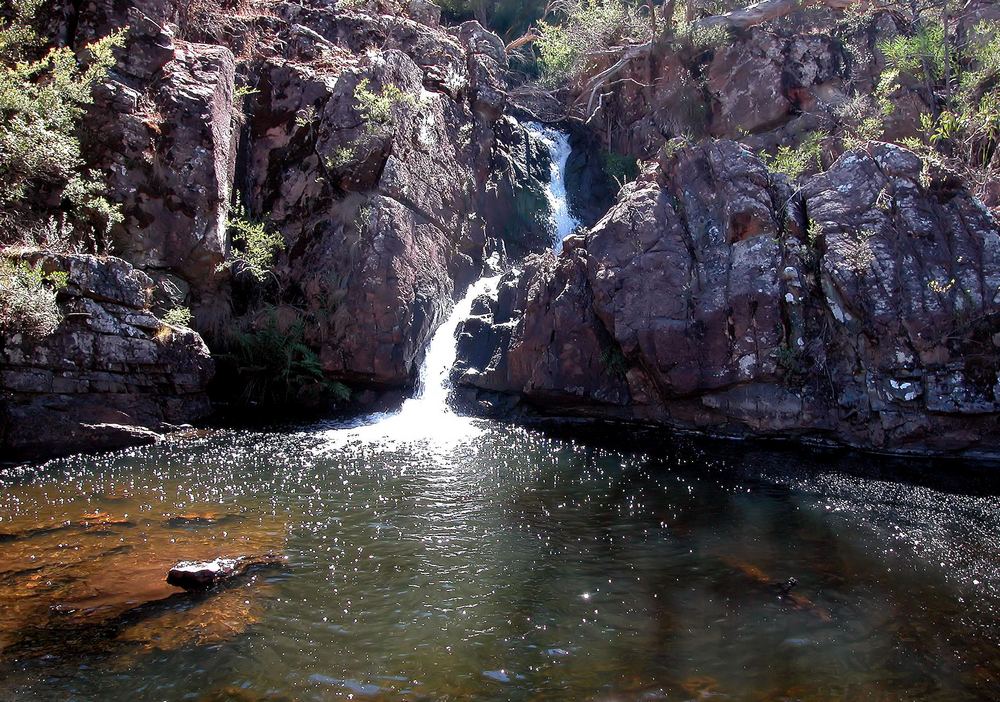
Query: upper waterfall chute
x=562, y=220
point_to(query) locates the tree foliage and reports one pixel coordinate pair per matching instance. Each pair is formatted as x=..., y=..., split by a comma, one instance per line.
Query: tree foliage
x=961, y=130
x=508, y=18
x=587, y=32
x=43, y=96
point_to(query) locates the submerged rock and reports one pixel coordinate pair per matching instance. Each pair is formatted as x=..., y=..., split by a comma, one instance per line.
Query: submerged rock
x=202, y=575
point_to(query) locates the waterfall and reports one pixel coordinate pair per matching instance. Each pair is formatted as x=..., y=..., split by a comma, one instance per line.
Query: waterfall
x=427, y=416
x=431, y=400
x=562, y=221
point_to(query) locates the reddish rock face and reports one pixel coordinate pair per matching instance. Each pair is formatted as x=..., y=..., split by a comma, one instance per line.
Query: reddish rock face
x=164, y=131
x=385, y=215
x=700, y=300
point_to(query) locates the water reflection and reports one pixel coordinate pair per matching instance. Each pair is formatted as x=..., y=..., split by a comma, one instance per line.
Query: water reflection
x=513, y=567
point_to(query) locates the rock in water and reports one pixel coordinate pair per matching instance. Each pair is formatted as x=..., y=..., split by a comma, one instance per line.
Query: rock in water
x=195, y=575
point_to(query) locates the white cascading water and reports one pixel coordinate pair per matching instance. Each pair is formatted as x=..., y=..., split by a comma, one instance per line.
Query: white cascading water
x=427, y=416
x=563, y=221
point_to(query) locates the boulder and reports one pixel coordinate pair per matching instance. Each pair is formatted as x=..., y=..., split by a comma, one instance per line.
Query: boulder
x=711, y=296
x=201, y=575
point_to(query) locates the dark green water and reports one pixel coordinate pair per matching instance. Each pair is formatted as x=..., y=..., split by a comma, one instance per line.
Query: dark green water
x=506, y=566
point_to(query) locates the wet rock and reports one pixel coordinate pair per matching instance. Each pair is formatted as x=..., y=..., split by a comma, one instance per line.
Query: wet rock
x=202, y=575
x=195, y=518
x=103, y=519
x=111, y=375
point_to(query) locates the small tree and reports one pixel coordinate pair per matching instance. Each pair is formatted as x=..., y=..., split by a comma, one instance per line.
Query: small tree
x=41, y=103
x=590, y=29
x=254, y=243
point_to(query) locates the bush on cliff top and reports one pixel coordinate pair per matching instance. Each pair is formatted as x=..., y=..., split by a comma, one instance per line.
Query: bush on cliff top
x=41, y=103
x=961, y=130
x=589, y=29
x=28, y=298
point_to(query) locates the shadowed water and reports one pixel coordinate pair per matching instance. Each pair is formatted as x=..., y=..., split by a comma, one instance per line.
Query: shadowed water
x=511, y=566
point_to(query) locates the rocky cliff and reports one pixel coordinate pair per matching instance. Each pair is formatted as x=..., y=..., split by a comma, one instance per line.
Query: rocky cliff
x=861, y=307
x=111, y=375
x=383, y=153
x=376, y=144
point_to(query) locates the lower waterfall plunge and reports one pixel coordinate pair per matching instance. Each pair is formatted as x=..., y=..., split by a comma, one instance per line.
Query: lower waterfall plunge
x=427, y=415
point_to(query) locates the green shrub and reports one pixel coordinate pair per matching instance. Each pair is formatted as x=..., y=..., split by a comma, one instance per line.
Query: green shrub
x=508, y=18
x=28, y=298
x=274, y=367
x=963, y=134
x=793, y=162
x=253, y=242
x=178, y=317
x=925, y=49
x=620, y=167
x=376, y=108
x=614, y=362
x=342, y=156
x=589, y=29
x=42, y=101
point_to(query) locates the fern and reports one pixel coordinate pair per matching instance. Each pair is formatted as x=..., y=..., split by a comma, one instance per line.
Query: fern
x=275, y=367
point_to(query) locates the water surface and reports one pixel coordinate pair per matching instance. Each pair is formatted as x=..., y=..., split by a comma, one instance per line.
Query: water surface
x=432, y=556
x=510, y=566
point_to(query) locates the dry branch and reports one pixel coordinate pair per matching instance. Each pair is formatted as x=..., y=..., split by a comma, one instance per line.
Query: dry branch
x=764, y=11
